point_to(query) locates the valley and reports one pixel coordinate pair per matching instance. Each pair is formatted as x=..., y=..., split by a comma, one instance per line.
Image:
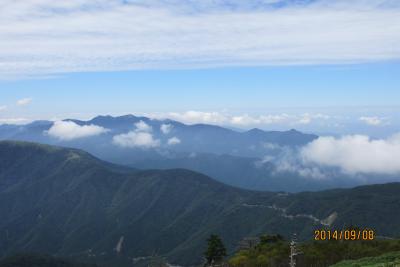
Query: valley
x=66, y=202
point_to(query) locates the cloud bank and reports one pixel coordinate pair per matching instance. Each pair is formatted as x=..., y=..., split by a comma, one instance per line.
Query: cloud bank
x=355, y=154
x=193, y=116
x=242, y=120
x=46, y=37
x=68, y=130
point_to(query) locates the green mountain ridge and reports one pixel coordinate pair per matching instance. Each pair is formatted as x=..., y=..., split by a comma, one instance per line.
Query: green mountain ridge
x=66, y=202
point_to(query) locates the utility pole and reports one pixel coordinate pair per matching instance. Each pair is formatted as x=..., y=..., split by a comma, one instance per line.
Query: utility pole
x=293, y=251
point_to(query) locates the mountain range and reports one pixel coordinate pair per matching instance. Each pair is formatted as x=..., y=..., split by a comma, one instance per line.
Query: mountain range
x=196, y=138
x=240, y=159
x=66, y=202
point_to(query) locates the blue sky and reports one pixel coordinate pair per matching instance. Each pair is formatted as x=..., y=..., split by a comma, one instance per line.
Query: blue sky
x=241, y=89
x=354, y=91
x=324, y=66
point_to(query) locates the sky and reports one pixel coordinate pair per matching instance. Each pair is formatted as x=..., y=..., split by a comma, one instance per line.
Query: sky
x=318, y=66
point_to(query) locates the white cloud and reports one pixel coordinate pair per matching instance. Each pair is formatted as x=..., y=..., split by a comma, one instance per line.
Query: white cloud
x=289, y=160
x=240, y=120
x=16, y=121
x=305, y=120
x=68, y=130
x=321, y=116
x=136, y=139
x=174, y=141
x=372, y=121
x=214, y=117
x=24, y=101
x=3, y=108
x=46, y=37
x=245, y=120
x=166, y=128
x=141, y=126
x=355, y=154
x=141, y=137
x=308, y=118
x=198, y=117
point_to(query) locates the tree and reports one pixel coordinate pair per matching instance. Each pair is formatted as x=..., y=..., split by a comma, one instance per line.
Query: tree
x=216, y=251
x=270, y=239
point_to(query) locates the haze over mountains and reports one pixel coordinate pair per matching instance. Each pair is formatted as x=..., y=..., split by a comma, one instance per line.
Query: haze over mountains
x=198, y=138
x=66, y=202
x=254, y=159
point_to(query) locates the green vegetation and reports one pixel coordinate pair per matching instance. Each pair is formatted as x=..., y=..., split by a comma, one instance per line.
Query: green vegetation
x=318, y=254
x=386, y=260
x=271, y=251
x=333, y=251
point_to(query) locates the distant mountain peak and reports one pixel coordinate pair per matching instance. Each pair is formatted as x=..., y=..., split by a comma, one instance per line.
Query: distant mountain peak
x=255, y=130
x=109, y=117
x=127, y=116
x=103, y=117
x=294, y=131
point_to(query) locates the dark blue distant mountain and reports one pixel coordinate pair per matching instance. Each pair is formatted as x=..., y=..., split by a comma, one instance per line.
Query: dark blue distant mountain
x=229, y=156
x=243, y=147
x=194, y=138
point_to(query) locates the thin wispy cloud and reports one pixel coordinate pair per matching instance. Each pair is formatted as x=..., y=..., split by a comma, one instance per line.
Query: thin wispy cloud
x=246, y=120
x=24, y=101
x=3, y=108
x=173, y=141
x=242, y=120
x=373, y=121
x=14, y=121
x=44, y=37
x=305, y=120
x=192, y=117
x=308, y=118
x=166, y=128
